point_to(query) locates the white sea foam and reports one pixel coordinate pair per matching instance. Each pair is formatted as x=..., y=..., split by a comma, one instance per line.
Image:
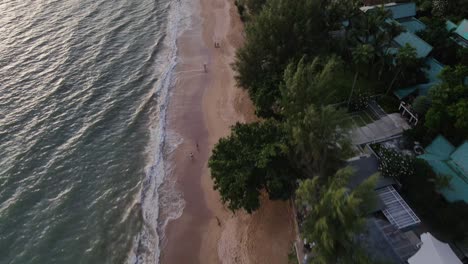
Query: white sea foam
x=160, y=202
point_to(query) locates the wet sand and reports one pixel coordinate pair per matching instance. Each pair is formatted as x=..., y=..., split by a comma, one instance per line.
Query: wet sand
x=203, y=107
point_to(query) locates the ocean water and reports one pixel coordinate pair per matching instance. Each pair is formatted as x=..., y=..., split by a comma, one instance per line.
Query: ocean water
x=84, y=85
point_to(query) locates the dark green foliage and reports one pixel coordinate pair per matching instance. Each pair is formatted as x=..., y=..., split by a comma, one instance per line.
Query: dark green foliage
x=436, y=34
x=462, y=56
x=443, y=218
x=419, y=133
x=334, y=216
x=359, y=101
x=318, y=131
x=252, y=158
x=389, y=103
x=421, y=104
x=377, y=33
x=283, y=32
x=254, y=6
x=449, y=110
x=457, y=9
x=407, y=69
x=241, y=10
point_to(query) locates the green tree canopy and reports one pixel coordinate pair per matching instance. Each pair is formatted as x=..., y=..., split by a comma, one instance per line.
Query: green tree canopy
x=253, y=158
x=334, y=216
x=317, y=130
x=407, y=66
x=283, y=32
x=449, y=110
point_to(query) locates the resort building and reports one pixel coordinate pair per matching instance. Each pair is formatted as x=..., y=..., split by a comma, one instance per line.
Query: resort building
x=389, y=226
x=449, y=161
x=404, y=15
x=460, y=32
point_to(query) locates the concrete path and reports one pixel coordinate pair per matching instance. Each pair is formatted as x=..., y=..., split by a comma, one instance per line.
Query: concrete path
x=385, y=127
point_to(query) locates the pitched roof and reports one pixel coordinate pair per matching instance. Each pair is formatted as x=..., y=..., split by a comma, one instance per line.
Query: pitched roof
x=422, y=48
x=433, y=251
x=462, y=29
x=449, y=25
x=441, y=147
x=398, y=10
x=365, y=167
x=460, y=157
x=446, y=160
x=433, y=70
x=413, y=25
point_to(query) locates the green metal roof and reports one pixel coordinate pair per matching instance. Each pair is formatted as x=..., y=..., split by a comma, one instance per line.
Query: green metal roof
x=462, y=29
x=433, y=70
x=449, y=25
x=432, y=74
x=413, y=25
x=404, y=92
x=402, y=10
x=422, y=48
x=460, y=157
x=398, y=10
x=441, y=147
x=446, y=160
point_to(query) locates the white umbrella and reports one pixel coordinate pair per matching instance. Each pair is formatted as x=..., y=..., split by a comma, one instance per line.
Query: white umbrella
x=434, y=252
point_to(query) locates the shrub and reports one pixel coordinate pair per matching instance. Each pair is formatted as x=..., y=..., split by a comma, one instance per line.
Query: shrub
x=395, y=164
x=359, y=102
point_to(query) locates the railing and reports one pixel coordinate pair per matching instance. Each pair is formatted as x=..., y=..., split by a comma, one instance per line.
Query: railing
x=408, y=110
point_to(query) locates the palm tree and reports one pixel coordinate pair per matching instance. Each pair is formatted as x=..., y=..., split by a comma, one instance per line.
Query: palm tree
x=405, y=58
x=362, y=55
x=334, y=216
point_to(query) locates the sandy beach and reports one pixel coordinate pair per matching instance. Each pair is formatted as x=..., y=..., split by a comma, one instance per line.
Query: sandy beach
x=203, y=107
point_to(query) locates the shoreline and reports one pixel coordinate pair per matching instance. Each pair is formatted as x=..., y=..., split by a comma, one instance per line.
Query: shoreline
x=202, y=108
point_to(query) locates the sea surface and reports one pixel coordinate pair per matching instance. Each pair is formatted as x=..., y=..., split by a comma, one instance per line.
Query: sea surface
x=84, y=86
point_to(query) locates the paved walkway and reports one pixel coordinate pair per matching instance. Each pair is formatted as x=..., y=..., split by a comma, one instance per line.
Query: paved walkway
x=385, y=127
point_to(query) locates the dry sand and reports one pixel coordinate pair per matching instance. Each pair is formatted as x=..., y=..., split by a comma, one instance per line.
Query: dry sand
x=202, y=109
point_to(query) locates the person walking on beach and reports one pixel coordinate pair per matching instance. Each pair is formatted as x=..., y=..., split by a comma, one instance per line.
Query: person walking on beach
x=204, y=67
x=191, y=155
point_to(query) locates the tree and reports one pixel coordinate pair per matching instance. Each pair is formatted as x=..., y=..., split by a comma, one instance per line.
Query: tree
x=310, y=83
x=406, y=58
x=334, y=216
x=374, y=28
x=449, y=109
x=439, y=7
x=321, y=138
x=318, y=131
x=436, y=34
x=283, y=32
x=362, y=55
x=253, y=158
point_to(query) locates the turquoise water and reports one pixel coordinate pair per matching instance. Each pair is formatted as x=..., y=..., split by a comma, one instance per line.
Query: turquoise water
x=82, y=98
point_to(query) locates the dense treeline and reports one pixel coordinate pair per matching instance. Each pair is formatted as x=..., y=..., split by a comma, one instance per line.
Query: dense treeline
x=283, y=33
x=305, y=69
